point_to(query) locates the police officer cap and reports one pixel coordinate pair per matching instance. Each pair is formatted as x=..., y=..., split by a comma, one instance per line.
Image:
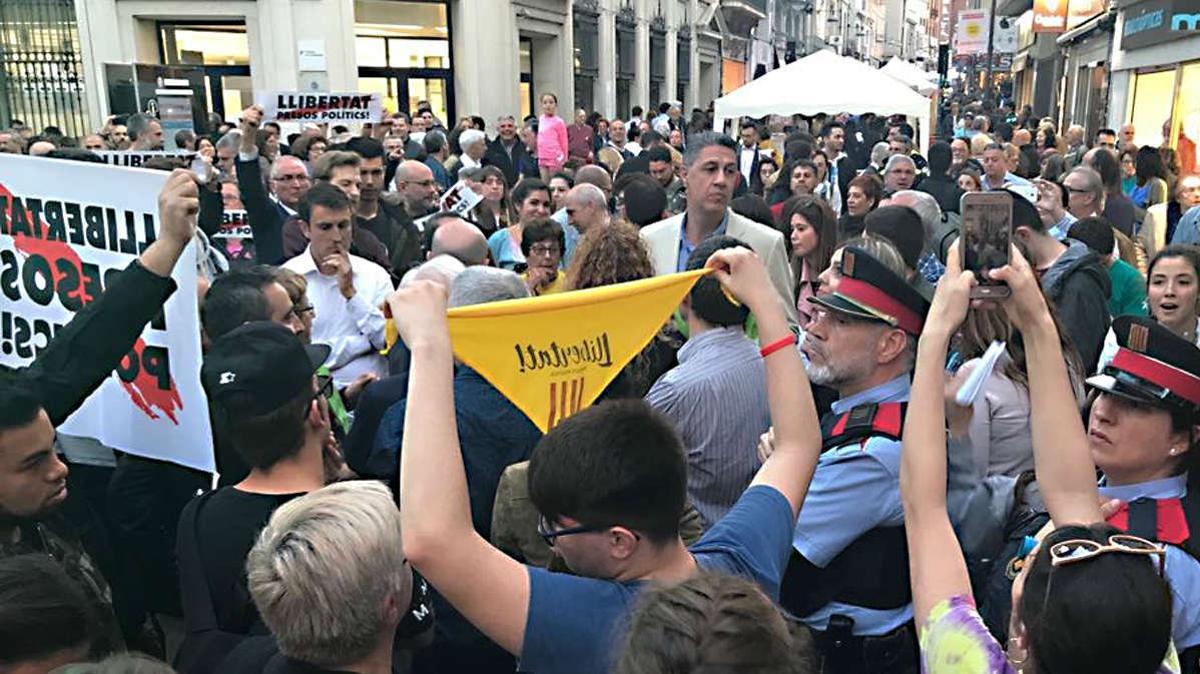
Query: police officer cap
x=871, y=291
x=1153, y=366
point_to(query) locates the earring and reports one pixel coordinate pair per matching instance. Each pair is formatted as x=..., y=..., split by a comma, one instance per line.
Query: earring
x=1173, y=451
x=1014, y=650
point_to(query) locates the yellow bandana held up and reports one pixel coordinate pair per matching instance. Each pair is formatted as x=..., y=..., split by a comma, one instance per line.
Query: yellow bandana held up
x=553, y=355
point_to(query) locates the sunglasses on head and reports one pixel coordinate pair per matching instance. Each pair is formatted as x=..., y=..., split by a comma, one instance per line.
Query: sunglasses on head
x=1081, y=549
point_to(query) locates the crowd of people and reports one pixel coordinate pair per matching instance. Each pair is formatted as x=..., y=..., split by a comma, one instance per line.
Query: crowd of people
x=784, y=479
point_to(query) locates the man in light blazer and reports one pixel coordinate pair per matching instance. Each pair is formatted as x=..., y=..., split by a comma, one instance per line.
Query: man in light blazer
x=1153, y=234
x=710, y=172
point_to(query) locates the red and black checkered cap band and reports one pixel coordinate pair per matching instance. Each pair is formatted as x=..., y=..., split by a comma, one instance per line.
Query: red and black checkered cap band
x=870, y=296
x=1179, y=382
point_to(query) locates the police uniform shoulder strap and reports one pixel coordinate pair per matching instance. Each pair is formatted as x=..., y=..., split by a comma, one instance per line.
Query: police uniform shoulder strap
x=884, y=420
x=1168, y=520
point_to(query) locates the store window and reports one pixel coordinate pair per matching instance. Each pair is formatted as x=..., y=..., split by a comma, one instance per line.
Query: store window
x=625, y=67
x=526, y=85
x=1185, y=130
x=658, y=66
x=586, y=28
x=403, y=53
x=222, y=50
x=683, y=67
x=1150, y=105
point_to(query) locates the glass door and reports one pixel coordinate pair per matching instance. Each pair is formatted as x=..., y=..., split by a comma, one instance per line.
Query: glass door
x=223, y=50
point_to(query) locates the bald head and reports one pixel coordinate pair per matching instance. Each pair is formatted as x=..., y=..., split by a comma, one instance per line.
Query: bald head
x=416, y=187
x=459, y=239
x=587, y=207
x=41, y=148
x=594, y=175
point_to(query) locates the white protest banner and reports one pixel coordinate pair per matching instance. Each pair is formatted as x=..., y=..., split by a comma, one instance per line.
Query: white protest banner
x=64, y=227
x=136, y=158
x=337, y=108
x=460, y=198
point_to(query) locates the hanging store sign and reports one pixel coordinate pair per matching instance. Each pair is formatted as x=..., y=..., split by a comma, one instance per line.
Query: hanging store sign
x=1049, y=16
x=972, y=37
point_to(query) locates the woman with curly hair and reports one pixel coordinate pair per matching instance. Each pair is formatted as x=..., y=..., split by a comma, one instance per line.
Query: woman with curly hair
x=608, y=255
x=616, y=254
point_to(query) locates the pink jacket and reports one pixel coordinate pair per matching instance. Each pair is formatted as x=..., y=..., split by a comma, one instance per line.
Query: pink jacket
x=551, y=141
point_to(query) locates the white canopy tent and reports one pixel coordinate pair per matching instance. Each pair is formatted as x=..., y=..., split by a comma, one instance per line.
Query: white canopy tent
x=911, y=75
x=824, y=82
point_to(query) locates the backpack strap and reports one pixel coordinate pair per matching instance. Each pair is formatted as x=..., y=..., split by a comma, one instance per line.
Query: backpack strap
x=862, y=422
x=197, y=594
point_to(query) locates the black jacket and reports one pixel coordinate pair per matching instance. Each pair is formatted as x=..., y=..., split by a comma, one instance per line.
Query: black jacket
x=262, y=214
x=1079, y=286
x=942, y=188
x=395, y=229
x=520, y=165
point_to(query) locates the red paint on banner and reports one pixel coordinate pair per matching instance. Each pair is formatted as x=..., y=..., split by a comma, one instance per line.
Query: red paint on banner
x=145, y=393
x=143, y=390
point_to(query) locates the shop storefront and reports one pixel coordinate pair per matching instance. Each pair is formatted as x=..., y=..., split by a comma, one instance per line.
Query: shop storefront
x=1156, y=76
x=1086, y=51
x=403, y=53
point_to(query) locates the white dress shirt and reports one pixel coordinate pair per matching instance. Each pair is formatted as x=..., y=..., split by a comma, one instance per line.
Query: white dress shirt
x=353, y=328
x=746, y=161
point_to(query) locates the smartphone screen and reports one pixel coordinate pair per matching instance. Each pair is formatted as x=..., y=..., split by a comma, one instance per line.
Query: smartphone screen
x=986, y=238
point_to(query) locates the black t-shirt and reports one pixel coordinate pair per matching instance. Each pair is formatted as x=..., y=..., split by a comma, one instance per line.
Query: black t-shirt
x=261, y=655
x=227, y=526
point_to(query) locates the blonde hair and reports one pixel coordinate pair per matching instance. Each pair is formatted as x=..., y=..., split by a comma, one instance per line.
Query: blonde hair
x=322, y=568
x=978, y=143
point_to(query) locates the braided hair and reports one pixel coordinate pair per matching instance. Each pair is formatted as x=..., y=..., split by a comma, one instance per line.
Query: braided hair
x=711, y=624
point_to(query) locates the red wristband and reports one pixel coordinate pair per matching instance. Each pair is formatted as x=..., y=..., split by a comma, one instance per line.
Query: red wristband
x=777, y=345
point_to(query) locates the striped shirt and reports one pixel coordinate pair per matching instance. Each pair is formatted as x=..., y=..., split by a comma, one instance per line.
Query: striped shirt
x=717, y=400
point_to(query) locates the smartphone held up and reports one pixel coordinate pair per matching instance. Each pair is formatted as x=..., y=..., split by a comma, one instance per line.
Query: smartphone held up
x=985, y=239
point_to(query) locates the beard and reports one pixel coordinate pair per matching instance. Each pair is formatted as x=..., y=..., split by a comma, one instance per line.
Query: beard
x=834, y=374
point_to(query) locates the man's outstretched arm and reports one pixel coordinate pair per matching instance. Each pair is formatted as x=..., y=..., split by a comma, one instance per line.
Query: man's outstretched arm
x=485, y=585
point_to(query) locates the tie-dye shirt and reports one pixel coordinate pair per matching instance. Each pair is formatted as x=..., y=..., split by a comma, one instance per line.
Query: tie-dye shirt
x=955, y=641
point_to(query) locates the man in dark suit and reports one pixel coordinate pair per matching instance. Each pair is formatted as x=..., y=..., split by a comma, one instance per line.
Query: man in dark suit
x=749, y=157
x=938, y=183
x=507, y=153
x=841, y=166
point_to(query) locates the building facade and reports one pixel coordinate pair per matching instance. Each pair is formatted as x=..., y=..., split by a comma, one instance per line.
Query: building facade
x=1156, y=75
x=461, y=56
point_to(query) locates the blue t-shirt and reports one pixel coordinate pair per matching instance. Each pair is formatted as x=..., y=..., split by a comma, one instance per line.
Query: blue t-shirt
x=575, y=624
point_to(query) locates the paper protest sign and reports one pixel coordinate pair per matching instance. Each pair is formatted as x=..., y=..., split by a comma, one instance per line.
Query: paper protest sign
x=234, y=226
x=460, y=198
x=235, y=239
x=336, y=108
x=553, y=355
x=136, y=158
x=65, y=227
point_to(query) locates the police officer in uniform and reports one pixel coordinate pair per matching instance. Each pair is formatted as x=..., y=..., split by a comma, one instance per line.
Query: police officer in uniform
x=847, y=579
x=1155, y=373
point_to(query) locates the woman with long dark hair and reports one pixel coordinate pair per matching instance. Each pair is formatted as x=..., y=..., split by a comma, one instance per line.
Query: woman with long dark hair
x=1152, y=177
x=811, y=236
